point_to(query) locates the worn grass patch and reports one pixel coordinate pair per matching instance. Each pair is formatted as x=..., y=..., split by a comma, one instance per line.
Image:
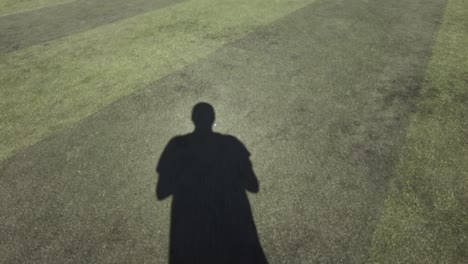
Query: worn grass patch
x=8, y=7
x=47, y=87
x=425, y=218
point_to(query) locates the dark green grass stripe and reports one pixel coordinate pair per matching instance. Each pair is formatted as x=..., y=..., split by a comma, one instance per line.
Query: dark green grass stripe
x=34, y=27
x=9, y=7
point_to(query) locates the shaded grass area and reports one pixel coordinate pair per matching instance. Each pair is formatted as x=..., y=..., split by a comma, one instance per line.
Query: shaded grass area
x=425, y=218
x=48, y=87
x=8, y=7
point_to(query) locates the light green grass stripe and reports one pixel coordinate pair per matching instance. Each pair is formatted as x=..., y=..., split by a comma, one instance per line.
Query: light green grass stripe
x=8, y=7
x=45, y=88
x=425, y=218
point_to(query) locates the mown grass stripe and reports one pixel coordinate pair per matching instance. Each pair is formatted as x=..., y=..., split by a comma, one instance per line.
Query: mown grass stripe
x=26, y=29
x=47, y=87
x=8, y=7
x=425, y=218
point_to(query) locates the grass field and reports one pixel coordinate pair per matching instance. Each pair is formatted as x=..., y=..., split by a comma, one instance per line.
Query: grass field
x=359, y=110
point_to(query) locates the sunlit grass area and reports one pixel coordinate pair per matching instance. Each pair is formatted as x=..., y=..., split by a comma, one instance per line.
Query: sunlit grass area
x=8, y=7
x=426, y=214
x=48, y=87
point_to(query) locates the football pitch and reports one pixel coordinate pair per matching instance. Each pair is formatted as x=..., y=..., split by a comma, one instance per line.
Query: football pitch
x=354, y=112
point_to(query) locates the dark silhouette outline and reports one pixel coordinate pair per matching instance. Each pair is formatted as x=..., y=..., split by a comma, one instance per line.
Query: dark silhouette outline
x=207, y=174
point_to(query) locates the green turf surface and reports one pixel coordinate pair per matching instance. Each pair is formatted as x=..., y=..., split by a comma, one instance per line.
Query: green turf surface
x=8, y=7
x=426, y=214
x=47, y=87
x=320, y=98
x=320, y=94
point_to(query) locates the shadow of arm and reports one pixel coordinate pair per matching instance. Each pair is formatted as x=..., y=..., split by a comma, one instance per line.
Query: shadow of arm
x=249, y=179
x=163, y=190
x=166, y=169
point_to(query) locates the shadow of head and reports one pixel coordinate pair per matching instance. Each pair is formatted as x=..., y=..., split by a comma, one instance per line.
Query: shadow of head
x=203, y=117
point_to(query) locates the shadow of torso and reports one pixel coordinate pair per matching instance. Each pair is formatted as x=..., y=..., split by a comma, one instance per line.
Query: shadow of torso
x=211, y=218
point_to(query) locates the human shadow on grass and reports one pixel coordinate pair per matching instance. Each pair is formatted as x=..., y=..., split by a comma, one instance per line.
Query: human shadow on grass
x=208, y=174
